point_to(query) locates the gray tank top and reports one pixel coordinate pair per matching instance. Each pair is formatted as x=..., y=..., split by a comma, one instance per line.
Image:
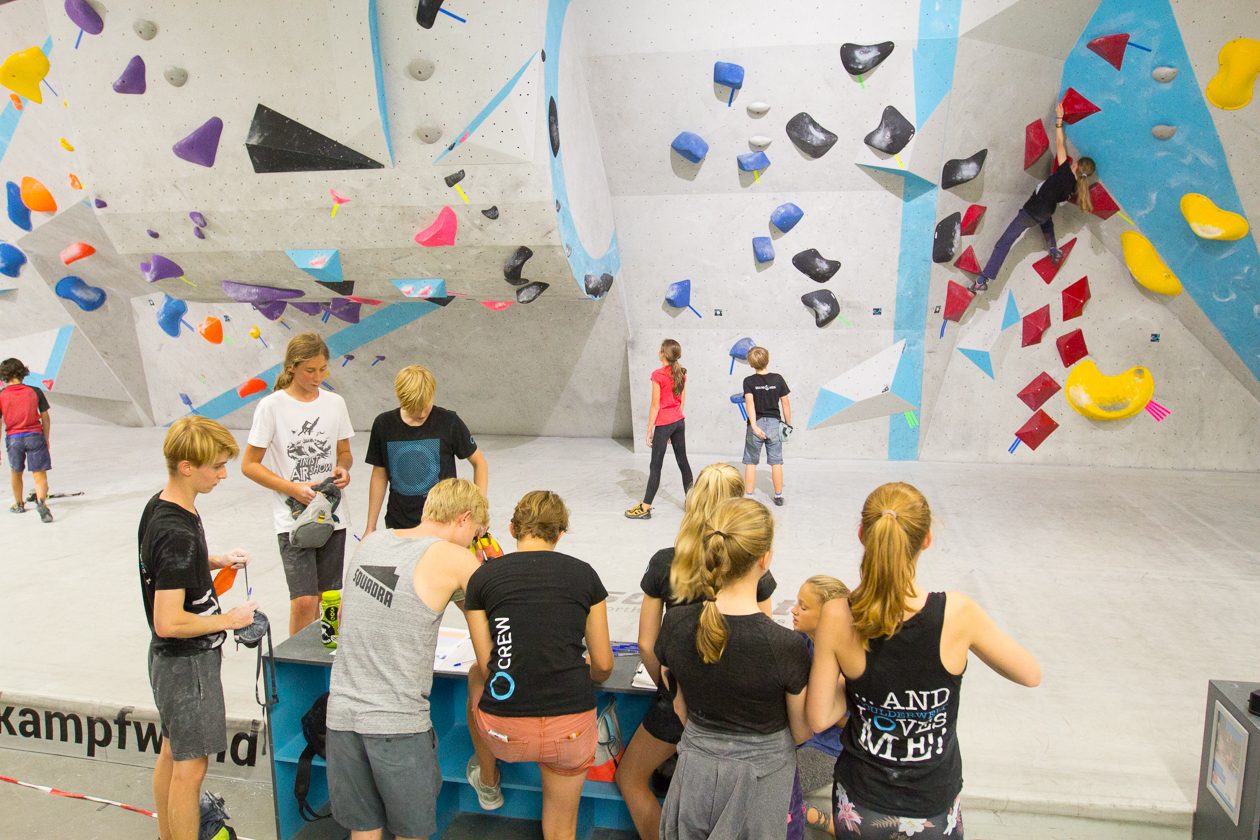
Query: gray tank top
x=383, y=671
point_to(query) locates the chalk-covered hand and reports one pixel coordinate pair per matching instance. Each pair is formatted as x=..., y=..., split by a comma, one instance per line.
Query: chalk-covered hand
x=237, y=557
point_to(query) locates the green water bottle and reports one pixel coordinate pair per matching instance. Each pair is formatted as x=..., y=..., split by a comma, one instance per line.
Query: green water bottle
x=330, y=617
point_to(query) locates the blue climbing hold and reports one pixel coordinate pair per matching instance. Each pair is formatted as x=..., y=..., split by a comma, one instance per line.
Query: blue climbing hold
x=753, y=161
x=678, y=294
x=11, y=259
x=19, y=214
x=739, y=350
x=785, y=216
x=75, y=290
x=728, y=74
x=763, y=249
x=171, y=315
x=691, y=146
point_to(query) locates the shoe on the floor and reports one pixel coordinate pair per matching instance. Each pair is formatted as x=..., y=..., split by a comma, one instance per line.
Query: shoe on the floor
x=1056, y=256
x=778, y=499
x=639, y=512
x=45, y=515
x=18, y=508
x=490, y=797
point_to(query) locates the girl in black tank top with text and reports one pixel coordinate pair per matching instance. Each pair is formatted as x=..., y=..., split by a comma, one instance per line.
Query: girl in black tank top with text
x=902, y=652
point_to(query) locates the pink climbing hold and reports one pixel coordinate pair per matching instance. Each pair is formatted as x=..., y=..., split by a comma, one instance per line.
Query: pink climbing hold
x=957, y=299
x=1047, y=268
x=497, y=305
x=1110, y=48
x=1035, y=142
x=967, y=261
x=1042, y=388
x=441, y=232
x=1077, y=107
x=202, y=145
x=1104, y=205
x=1071, y=347
x=1035, y=325
x=971, y=219
x=1074, y=298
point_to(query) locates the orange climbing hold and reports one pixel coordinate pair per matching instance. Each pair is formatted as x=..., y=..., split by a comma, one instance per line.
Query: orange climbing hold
x=76, y=251
x=75, y=183
x=441, y=232
x=1046, y=268
x=16, y=100
x=1035, y=142
x=957, y=299
x=224, y=579
x=971, y=219
x=251, y=387
x=37, y=197
x=967, y=261
x=1110, y=48
x=1077, y=107
x=211, y=330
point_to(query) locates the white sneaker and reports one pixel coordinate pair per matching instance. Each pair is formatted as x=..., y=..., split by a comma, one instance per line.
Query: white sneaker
x=490, y=797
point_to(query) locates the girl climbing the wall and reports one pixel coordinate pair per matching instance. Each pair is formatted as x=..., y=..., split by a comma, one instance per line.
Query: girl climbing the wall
x=1068, y=181
x=902, y=652
x=665, y=424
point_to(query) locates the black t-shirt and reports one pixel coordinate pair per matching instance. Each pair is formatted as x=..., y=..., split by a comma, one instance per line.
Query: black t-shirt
x=1059, y=187
x=415, y=458
x=743, y=691
x=536, y=603
x=173, y=555
x=767, y=389
x=655, y=581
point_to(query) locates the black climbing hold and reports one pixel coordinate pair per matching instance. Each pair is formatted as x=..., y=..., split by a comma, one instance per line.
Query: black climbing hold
x=557, y=205
x=810, y=137
x=815, y=266
x=454, y=178
x=892, y=134
x=597, y=287
x=553, y=126
x=530, y=292
x=947, y=238
x=516, y=262
x=491, y=212
x=956, y=172
x=824, y=306
x=427, y=12
x=344, y=288
x=277, y=143
x=543, y=53
x=863, y=58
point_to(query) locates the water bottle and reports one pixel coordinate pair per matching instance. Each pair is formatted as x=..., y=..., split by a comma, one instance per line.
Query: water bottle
x=330, y=617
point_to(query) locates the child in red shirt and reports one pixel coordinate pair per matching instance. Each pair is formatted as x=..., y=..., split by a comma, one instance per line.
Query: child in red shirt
x=24, y=410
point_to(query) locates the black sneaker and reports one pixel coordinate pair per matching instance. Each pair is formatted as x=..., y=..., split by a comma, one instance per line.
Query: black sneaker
x=778, y=499
x=1056, y=256
x=45, y=515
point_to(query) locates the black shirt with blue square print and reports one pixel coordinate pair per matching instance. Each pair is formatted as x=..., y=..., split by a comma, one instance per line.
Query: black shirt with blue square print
x=415, y=458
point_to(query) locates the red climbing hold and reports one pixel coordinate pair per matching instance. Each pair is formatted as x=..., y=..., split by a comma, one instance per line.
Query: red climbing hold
x=1035, y=325
x=1074, y=298
x=1046, y=268
x=497, y=305
x=1035, y=142
x=250, y=388
x=1077, y=107
x=1037, y=429
x=76, y=251
x=972, y=218
x=967, y=261
x=441, y=232
x=957, y=299
x=1071, y=347
x=1042, y=388
x=1104, y=205
x=1110, y=48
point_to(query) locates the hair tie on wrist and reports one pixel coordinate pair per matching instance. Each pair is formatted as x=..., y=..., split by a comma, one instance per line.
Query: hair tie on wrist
x=890, y=512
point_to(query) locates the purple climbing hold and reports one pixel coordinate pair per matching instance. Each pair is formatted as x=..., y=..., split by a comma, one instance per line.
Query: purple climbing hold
x=132, y=78
x=11, y=259
x=271, y=310
x=250, y=293
x=153, y=234
x=160, y=268
x=197, y=219
x=84, y=16
x=199, y=233
x=99, y=202
x=345, y=309
x=202, y=145
x=307, y=307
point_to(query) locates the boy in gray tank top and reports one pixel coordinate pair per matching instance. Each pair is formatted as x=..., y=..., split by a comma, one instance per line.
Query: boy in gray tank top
x=382, y=751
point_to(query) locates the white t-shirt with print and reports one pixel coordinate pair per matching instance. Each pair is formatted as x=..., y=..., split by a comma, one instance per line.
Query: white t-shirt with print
x=301, y=443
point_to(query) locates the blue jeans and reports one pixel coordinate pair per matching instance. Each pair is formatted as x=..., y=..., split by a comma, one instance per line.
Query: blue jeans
x=1014, y=231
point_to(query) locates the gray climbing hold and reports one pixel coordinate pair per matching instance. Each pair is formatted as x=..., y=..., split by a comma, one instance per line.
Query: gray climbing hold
x=491, y=212
x=810, y=137
x=824, y=306
x=1164, y=74
x=863, y=58
x=530, y=292
x=146, y=29
x=429, y=133
x=420, y=69
x=892, y=134
x=758, y=142
x=815, y=266
x=957, y=171
x=553, y=127
x=758, y=108
x=454, y=178
x=512, y=267
x=947, y=238
x=1164, y=132
x=597, y=287
x=176, y=76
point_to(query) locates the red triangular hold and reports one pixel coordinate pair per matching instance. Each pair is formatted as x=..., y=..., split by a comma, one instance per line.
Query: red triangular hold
x=1077, y=107
x=1074, y=298
x=1045, y=267
x=972, y=218
x=1071, y=347
x=1035, y=325
x=957, y=299
x=1035, y=142
x=1110, y=48
x=1104, y=205
x=1037, y=429
x=967, y=261
x=1042, y=388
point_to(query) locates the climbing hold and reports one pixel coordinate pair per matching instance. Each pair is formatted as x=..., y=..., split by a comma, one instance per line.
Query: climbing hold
x=277, y=143
x=1211, y=222
x=1071, y=347
x=967, y=261
x=1077, y=107
x=678, y=295
x=597, y=287
x=758, y=109
x=1034, y=326
x=75, y=183
x=1074, y=298
x=530, y=292
x=1037, y=429
x=1231, y=87
x=1035, y=142
x=251, y=387
x=132, y=78
x=99, y=203
x=815, y=266
x=170, y=315
x=728, y=75
x=752, y=161
x=739, y=350
x=427, y=12
x=146, y=29
x=197, y=218
x=1104, y=205
x=690, y=146
x=11, y=259
x=1163, y=132
x=76, y=251
x=251, y=293
x=306, y=307
x=199, y=233
x=74, y=289
x=22, y=72
x=491, y=212
x=160, y=268
x=202, y=145
x=863, y=58
x=345, y=309
x=37, y=197
x=19, y=213
x=1047, y=268
x=553, y=126
x=85, y=17
x=426, y=287
x=958, y=171
x=957, y=299
x=420, y=69
x=1146, y=266
x=971, y=218
x=1042, y=388
x=272, y=310
x=65, y=144
x=763, y=249
x=16, y=100
x=892, y=134
x=758, y=142
x=785, y=216
x=824, y=306
x=429, y=133
x=441, y=232
x=1164, y=74
x=810, y=137
x=497, y=305
x=454, y=178
x=1110, y=48
x=515, y=263
x=175, y=76
x=153, y=234
x=211, y=330
x=947, y=238
x=1101, y=397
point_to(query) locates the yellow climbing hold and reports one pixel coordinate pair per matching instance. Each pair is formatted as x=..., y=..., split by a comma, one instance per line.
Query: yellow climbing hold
x=1145, y=265
x=1211, y=222
x=65, y=144
x=1101, y=397
x=23, y=71
x=1231, y=87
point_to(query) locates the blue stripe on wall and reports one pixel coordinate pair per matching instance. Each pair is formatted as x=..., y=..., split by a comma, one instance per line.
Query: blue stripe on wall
x=381, y=105
x=934, y=55
x=914, y=272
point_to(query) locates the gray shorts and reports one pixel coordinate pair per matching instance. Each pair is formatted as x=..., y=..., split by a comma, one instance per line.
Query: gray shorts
x=384, y=781
x=312, y=571
x=189, y=698
x=773, y=442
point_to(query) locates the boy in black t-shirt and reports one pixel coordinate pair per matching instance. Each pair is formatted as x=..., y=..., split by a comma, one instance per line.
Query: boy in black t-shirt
x=769, y=421
x=412, y=448
x=184, y=617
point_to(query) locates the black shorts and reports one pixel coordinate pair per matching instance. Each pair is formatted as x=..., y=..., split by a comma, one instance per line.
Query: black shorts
x=189, y=697
x=384, y=781
x=313, y=571
x=661, y=721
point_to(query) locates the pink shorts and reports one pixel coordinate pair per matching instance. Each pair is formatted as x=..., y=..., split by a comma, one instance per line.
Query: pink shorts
x=564, y=744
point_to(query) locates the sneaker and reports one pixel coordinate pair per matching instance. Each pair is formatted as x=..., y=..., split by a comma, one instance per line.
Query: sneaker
x=18, y=508
x=1056, y=256
x=980, y=284
x=45, y=515
x=639, y=512
x=778, y=499
x=490, y=797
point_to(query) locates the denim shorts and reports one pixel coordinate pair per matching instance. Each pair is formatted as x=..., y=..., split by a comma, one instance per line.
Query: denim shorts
x=28, y=452
x=773, y=442
x=384, y=781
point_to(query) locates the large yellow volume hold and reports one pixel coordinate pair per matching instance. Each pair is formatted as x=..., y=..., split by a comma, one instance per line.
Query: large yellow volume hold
x=1146, y=266
x=1231, y=87
x=23, y=71
x=1211, y=222
x=1101, y=397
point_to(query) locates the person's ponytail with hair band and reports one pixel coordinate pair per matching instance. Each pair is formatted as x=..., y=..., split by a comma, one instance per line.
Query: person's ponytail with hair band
x=1084, y=168
x=672, y=351
x=715, y=484
x=739, y=534
x=895, y=523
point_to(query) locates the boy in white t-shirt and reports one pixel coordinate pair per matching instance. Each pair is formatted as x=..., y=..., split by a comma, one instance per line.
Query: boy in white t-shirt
x=305, y=433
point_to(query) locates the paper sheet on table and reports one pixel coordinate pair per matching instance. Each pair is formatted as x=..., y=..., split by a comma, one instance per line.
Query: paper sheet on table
x=454, y=653
x=641, y=678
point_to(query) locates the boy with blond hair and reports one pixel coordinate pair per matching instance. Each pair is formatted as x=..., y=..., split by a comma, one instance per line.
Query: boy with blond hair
x=769, y=413
x=412, y=448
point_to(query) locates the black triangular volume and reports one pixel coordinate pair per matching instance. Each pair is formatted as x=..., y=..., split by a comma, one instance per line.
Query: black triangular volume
x=427, y=12
x=344, y=288
x=274, y=131
x=266, y=159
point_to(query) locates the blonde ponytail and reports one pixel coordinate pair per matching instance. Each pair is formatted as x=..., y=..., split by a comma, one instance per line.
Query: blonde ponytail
x=1084, y=168
x=302, y=347
x=740, y=533
x=715, y=484
x=896, y=521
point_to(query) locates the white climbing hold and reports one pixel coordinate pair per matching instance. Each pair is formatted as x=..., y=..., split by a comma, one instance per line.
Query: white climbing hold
x=758, y=142
x=146, y=29
x=1164, y=74
x=758, y=109
x=176, y=76
x=1164, y=132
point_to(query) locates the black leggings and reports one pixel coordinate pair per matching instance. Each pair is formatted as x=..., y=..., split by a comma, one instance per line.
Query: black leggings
x=661, y=435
